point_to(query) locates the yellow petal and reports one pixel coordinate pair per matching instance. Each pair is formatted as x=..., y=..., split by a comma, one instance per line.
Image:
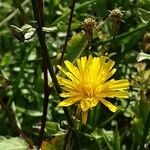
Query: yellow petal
x=107, y=69
x=87, y=66
x=111, y=107
x=119, y=94
x=109, y=65
x=80, y=66
x=71, y=94
x=85, y=105
x=102, y=60
x=92, y=70
x=72, y=68
x=120, y=85
x=69, y=85
x=94, y=102
x=68, y=74
x=109, y=74
x=68, y=102
x=81, y=63
x=66, y=95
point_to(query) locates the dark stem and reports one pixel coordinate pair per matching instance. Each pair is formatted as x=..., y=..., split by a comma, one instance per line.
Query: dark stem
x=47, y=59
x=40, y=8
x=44, y=50
x=14, y=124
x=145, y=133
x=45, y=104
x=46, y=87
x=72, y=6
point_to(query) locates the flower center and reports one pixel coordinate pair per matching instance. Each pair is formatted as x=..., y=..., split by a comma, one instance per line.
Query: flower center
x=88, y=91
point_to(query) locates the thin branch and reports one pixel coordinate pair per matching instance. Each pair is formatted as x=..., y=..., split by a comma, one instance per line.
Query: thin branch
x=46, y=87
x=45, y=54
x=70, y=133
x=44, y=50
x=14, y=124
x=45, y=104
x=72, y=6
x=47, y=59
x=78, y=7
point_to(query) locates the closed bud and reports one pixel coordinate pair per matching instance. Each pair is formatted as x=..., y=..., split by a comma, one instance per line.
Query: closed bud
x=116, y=16
x=89, y=25
x=146, y=42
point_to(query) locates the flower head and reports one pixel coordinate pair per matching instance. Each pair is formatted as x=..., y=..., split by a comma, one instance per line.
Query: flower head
x=89, y=83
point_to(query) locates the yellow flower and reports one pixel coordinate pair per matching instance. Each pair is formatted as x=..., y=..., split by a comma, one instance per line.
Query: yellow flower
x=89, y=83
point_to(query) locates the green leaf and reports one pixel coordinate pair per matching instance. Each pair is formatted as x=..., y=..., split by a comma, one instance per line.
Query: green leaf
x=51, y=127
x=108, y=136
x=6, y=59
x=76, y=45
x=138, y=126
x=13, y=143
x=144, y=15
x=143, y=109
x=104, y=134
x=54, y=129
x=29, y=112
x=55, y=143
x=4, y=82
x=25, y=28
x=143, y=56
x=116, y=140
x=101, y=8
x=50, y=29
x=62, y=27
